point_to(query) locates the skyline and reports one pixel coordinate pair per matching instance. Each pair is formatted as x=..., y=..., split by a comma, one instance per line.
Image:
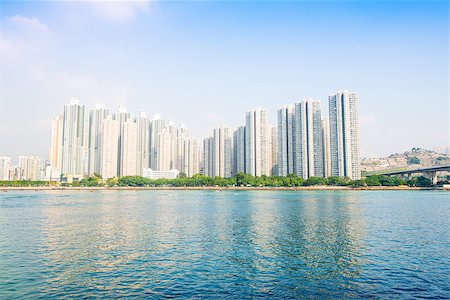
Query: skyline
x=214, y=61
x=97, y=141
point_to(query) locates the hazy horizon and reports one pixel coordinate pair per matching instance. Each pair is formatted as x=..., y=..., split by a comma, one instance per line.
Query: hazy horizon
x=204, y=64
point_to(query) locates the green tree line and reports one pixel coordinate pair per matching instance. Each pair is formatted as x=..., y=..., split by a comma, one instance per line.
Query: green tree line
x=239, y=179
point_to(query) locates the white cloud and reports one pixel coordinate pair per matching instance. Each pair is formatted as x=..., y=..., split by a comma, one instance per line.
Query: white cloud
x=28, y=23
x=119, y=11
x=20, y=36
x=9, y=46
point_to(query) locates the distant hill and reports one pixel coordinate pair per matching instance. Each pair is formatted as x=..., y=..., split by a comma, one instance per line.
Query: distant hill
x=412, y=159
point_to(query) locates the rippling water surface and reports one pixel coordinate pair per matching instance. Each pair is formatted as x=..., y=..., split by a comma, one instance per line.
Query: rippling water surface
x=207, y=244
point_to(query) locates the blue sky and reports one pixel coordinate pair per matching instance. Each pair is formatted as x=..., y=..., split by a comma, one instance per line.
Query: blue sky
x=204, y=63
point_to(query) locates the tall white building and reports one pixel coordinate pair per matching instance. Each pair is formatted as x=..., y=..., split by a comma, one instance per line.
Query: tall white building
x=121, y=116
x=239, y=150
x=109, y=148
x=56, y=144
x=257, y=143
x=190, y=157
x=222, y=153
x=182, y=149
x=314, y=138
x=344, y=134
x=29, y=168
x=128, y=149
x=96, y=117
x=285, y=140
x=156, y=127
x=300, y=139
x=208, y=154
x=326, y=147
x=274, y=146
x=143, y=142
x=5, y=167
x=164, y=151
x=173, y=135
x=73, y=139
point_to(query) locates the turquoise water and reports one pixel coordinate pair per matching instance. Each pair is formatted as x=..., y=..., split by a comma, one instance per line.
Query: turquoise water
x=209, y=244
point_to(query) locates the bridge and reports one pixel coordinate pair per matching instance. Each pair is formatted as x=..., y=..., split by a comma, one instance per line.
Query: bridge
x=429, y=172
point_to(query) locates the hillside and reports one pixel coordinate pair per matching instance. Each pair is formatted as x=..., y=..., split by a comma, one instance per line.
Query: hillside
x=412, y=159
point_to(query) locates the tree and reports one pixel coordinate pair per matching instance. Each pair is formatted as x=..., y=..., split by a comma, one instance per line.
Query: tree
x=423, y=182
x=339, y=181
x=314, y=181
x=357, y=183
x=373, y=181
x=413, y=161
x=90, y=181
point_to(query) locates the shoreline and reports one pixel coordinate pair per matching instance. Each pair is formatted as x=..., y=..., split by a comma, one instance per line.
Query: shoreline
x=216, y=188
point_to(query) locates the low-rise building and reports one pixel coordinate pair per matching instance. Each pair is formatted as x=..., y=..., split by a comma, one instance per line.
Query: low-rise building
x=152, y=174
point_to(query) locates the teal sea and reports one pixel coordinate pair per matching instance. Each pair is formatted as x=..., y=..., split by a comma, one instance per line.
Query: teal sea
x=210, y=244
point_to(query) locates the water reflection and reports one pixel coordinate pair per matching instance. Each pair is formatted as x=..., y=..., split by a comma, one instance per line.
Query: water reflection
x=200, y=244
x=261, y=243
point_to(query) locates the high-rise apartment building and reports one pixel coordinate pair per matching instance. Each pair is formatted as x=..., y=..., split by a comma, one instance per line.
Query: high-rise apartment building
x=73, y=139
x=308, y=139
x=222, y=153
x=29, y=168
x=326, y=147
x=190, y=157
x=156, y=127
x=164, y=151
x=239, y=150
x=96, y=117
x=274, y=147
x=56, y=144
x=172, y=129
x=300, y=139
x=109, y=148
x=208, y=154
x=193, y=158
x=257, y=143
x=5, y=167
x=143, y=142
x=314, y=138
x=182, y=149
x=285, y=140
x=121, y=116
x=344, y=134
x=128, y=152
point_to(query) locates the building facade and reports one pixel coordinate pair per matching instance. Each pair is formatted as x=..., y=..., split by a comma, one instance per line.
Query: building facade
x=128, y=151
x=73, y=139
x=239, y=150
x=56, y=144
x=5, y=167
x=109, y=148
x=344, y=134
x=257, y=143
x=285, y=118
x=222, y=152
x=96, y=117
x=143, y=143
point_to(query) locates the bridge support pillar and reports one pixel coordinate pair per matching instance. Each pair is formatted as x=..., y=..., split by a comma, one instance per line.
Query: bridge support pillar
x=431, y=175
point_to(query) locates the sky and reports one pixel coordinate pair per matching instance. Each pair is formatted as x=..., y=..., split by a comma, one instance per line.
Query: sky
x=205, y=63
